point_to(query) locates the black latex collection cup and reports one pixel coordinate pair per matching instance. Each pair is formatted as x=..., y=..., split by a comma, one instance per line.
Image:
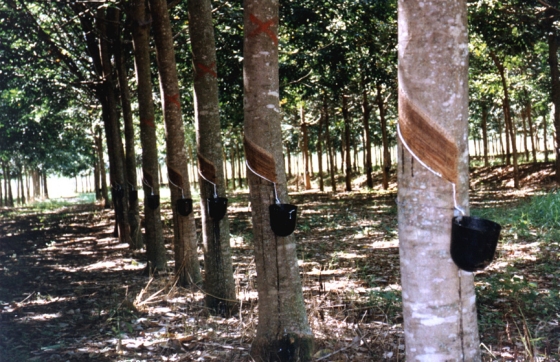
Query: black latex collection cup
x=132, y=196
x=217, y=207
x=152, y=201
x=283, y=218
x=184, y=206
x=117, y=192
x=473, y=242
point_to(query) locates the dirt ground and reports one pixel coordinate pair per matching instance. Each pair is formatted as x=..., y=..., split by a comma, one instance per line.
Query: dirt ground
x=70, y=292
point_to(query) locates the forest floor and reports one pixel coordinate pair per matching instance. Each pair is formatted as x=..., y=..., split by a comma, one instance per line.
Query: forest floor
x=70, y=292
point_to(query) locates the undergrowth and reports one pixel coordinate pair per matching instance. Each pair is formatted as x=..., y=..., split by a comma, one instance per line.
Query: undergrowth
x=518, y=295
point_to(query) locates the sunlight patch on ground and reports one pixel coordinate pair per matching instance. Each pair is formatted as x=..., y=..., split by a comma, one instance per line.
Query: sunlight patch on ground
x=121, y=264
x=44, y=317
x=117, y=246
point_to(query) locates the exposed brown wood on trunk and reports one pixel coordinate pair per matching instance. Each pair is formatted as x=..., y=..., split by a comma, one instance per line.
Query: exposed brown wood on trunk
x=428, y=142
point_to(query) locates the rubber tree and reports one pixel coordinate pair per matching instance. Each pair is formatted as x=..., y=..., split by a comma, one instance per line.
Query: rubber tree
x=130, y=154
x=218, y=278
x=439, y=308
x=155, y=248
x=106, y=93
x=283, y=332
x=184, y=228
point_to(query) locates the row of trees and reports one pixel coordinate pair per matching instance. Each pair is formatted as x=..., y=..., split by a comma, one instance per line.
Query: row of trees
x=337, y=71
x=331, y=78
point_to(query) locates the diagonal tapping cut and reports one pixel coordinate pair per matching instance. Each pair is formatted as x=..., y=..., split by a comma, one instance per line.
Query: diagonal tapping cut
x=207, y=169
x=260, y=160
x=432, y=145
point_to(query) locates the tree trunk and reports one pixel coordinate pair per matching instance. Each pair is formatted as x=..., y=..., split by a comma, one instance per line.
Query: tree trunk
x=330, y=150
x=45, y=188
x=283, y=332
x=348, y=156
x=555, y=90
x=218, y=279
x=439, y=307
x=106, y=91
x=36, y=181
x=366, y=112
x=130, y=154
x=545, y=138
x=96, y=174
x=102, y=172
x=155, y=248
x=6, y=183
x=485, y=132
x=320, y=152
x=531, y=131
x=384, y=139
x=501, y=141
x=508, y=143
x=10, y=191
x=305, y=150
x=508, y=120
x=232, y=164
x=21, y=190
x=239, y=168
x=185, y=248
x=2, y=201
x=525, y=133
x=28, y=187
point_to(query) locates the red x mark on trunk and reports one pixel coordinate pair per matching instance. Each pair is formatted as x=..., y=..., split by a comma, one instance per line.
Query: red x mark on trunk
x=148, y=122
x=202, y=69
x=173, y=99
x=263, y=27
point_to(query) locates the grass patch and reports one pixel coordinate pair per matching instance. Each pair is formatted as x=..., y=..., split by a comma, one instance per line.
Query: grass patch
x=518, y=295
